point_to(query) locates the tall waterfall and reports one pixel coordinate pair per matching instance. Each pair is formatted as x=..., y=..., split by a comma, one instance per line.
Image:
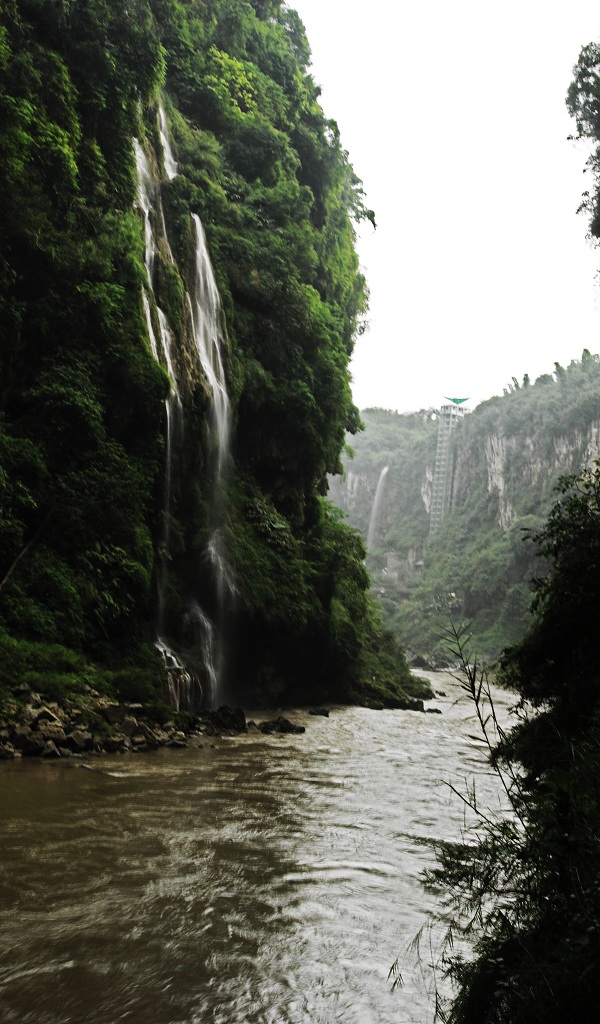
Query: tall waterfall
x=162, y=351
x=205, y=312
x=179, y=679
x=203, y=639
x=376, y=506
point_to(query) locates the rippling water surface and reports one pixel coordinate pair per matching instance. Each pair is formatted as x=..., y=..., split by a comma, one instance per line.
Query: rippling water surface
x=265, y=880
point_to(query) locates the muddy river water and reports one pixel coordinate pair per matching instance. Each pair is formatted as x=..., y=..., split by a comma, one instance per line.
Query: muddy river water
x=262, y=880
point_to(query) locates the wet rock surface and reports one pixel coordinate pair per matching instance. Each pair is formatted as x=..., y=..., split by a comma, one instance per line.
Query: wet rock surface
x=280, y=724
x=88, y=725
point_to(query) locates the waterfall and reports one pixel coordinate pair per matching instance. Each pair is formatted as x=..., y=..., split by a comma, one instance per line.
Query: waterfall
x=203, y=640
x=205, y=309
x=179, y=680
x=205, y=313
x=168, y=160
x=144, y=192
x=376, y=506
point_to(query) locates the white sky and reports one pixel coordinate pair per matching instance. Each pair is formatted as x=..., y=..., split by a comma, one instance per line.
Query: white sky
x=454, y=117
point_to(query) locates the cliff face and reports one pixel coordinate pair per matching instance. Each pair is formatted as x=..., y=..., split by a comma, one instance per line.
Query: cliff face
x=179, y=292
x=520, y=470
x=506, y=458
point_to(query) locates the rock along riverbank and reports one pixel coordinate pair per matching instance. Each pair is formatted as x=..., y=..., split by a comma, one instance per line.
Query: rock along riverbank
x=91, y=724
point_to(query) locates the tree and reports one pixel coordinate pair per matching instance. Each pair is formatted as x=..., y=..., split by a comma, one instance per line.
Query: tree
x=526, y=887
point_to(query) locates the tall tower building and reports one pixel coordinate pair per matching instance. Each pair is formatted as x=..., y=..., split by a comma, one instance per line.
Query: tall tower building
x=449, y=416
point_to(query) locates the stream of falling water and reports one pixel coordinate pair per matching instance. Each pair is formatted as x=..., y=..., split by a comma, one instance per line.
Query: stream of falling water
x=204, y=306
x=205, y=313
x=254, y=880
x=374, y=518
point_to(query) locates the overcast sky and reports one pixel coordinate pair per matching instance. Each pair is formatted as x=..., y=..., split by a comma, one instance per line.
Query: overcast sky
x=454, y=117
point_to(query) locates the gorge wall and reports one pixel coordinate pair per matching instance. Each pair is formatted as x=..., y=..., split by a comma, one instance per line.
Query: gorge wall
x=179, y=293
x=506, y=458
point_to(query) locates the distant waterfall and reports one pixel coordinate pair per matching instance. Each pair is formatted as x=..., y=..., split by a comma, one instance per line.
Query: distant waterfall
x=376, y=506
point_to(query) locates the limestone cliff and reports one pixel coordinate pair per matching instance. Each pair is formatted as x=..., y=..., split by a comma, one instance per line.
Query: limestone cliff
x=505, y=460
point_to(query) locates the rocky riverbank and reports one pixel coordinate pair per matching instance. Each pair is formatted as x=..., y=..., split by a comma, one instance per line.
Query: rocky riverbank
x=91, y=724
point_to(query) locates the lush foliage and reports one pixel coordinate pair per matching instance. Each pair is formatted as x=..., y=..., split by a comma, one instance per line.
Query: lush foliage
x=82, y=417
x=526, y=886
x=507, y=457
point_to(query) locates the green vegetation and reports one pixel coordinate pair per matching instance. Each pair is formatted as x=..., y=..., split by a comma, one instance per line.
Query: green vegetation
x=525, y=887
x=82, y=418
x=507, y=456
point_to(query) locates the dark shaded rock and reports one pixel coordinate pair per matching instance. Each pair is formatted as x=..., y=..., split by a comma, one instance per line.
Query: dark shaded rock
x=52, y=731
x=113, y=713
x=280, y=724
x=150, y=736
x=419, y=662
x=46, y=715
x=177, y=739
x=50, y=749
x=79, y=740
x=129, y=725
x=33, y=744
x=226, y=718
x=19, y=734
x=433, y=711
x=113, y=744
x=409, y=705
x=7, y=751
x=323, y=712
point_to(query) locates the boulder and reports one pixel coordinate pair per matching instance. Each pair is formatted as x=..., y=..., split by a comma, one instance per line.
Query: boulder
x=280, y=724
x=7, y=751
x=226, y=718
x=19, y=735
x=52, y=731
x=113, y=713
x=79, y=740
x=177, y=739
x=322, y=712
x=409, y=705
x=34, y=744
x=50, y=749
x=135, y=708
x=45, y=714
x=114, y=744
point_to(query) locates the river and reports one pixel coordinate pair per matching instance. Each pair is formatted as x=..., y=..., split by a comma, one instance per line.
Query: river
x=255, y=880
